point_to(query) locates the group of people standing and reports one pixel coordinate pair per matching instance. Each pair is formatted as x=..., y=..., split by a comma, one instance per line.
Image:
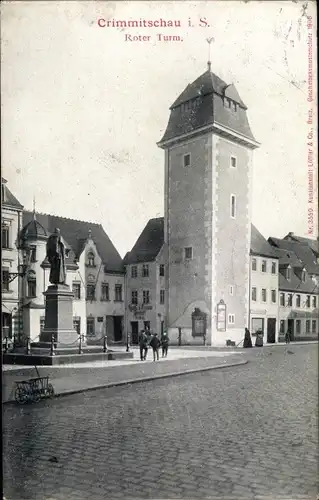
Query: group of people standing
x=148, y=339
x=259, y=339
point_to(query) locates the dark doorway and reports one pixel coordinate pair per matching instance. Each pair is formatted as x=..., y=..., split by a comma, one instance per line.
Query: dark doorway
x=291, y=329
x=134, y=330
x=271, y=330
x=118, y=328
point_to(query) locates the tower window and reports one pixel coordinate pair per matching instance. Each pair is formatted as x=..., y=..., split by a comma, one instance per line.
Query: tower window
x=33, y=254
x=187, y=160
x=188, y=252
x=254, y=294
x=233, y=161
x=233, y=206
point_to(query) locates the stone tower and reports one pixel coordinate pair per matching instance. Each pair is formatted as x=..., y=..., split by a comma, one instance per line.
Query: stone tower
x=208, y=148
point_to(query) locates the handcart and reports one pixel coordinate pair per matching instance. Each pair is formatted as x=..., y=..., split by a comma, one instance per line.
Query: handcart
x=33, y=389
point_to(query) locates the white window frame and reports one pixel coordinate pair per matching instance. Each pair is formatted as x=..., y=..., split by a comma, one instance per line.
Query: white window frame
x=298, y=300
x=230, y=161
x=231, y=206
x=252, y=295
x=262, y=295
x=190, y=160
x=146, y=297
x=282, y=295
x=134, y=271
x=252, y=261
x=162, y=296
x=273, y=263
x=135, y=293
x=264, y=261
x=231, y=319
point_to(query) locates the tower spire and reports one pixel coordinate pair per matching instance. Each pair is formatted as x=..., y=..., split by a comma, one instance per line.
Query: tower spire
x=209, y=41
x=34, y=216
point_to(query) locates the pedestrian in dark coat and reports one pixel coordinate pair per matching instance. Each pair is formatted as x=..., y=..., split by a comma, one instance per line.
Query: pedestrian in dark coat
x=288, y=337
x=165, y=342
x=259, y=338
x=247, y=339
x=143, y=345
x=155, y=345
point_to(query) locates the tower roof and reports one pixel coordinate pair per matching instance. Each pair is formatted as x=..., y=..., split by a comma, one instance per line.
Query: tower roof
x=209, y=102
x=33, y=230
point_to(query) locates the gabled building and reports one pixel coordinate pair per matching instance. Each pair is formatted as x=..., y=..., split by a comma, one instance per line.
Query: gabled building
x=264, y=282
x=11, y=261
x=146, y=268
x=298, y=286
x=94, y=273
x=208, y=147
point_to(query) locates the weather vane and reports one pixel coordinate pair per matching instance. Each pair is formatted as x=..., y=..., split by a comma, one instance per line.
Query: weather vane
x=209, y=41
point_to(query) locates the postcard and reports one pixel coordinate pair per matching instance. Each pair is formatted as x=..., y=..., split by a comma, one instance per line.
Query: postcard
x=160, y=259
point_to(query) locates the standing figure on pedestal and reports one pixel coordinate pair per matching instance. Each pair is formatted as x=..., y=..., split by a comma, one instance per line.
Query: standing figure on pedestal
x=56, y=258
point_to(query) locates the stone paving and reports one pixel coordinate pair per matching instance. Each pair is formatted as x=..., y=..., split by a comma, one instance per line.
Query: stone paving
x=246, y=432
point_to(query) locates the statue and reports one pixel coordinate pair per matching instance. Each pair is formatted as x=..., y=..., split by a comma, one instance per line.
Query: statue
x=56, y=258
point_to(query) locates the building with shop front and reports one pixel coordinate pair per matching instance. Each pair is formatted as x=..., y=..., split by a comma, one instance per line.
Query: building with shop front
x=94, y=274
x=264, y=281
x=146, y=269
x=298, y=286
x=208, y=146
x=11, y=262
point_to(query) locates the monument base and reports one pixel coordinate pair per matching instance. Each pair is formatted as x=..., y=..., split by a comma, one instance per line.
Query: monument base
x=59, y=316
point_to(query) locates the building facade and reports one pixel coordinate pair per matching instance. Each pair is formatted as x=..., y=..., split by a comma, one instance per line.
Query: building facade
x=11, y=262
x=94, y=273
x=146, y=268
x=208, y=148
x=298, y=287
x=264, y=283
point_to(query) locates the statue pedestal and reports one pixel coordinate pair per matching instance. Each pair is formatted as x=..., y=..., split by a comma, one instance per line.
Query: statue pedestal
x=59, y=316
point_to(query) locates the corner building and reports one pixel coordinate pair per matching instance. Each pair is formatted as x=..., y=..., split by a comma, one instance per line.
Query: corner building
x=208, y=148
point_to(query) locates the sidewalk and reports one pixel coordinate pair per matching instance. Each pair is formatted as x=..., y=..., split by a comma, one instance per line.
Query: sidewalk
x=70, y=379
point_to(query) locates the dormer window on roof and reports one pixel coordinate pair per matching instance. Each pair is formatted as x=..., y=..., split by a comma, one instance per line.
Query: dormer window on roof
x=288, y=273
x=303, y=275
x=229, y=103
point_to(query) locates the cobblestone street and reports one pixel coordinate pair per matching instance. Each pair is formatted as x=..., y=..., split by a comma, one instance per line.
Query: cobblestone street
x=244, y=432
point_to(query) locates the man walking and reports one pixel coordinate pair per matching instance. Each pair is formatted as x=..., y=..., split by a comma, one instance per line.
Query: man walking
x=165, y=342
x=143, y=345
x=155, y=344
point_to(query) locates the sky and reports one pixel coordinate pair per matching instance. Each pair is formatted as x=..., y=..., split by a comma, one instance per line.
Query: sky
x=83, y=108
